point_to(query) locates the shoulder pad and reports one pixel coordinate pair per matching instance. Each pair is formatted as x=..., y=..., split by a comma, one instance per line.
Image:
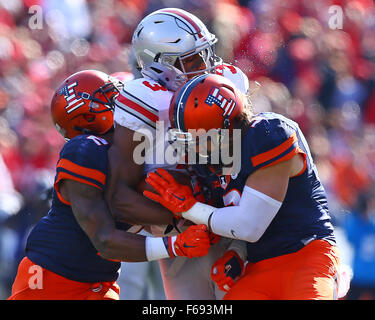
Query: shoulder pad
x=85, y=152
x=83, y=159
x=140, y=102
x=270, y=139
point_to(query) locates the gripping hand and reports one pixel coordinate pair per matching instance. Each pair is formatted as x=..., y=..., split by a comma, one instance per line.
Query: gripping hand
x=193, y=242
x=172, y=195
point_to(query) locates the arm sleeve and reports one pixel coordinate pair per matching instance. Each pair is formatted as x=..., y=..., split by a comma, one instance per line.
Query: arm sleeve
x=247, y=221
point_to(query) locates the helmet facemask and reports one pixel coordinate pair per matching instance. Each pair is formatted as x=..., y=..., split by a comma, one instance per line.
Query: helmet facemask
x=201, y=146
x=180, y=67
x=107, y=92
x=101, y=101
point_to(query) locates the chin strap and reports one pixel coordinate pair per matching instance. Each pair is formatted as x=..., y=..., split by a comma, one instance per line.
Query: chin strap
x=226, y=122
x=87, y=131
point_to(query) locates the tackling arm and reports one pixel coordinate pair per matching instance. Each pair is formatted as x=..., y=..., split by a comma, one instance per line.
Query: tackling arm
x=260, y=201
x=92, y=214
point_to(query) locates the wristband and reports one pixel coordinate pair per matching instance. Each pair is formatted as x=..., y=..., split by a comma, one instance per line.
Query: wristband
x=199, y=213
x=156, y=248
x=169, y=243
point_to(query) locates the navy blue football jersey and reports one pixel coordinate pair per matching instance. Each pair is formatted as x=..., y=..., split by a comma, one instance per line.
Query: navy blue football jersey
x=304, y=215
x=57, y=242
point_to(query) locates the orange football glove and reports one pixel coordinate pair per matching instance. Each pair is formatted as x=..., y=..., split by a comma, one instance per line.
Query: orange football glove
x=227, y=270
x=193, y=242
x=172, y=195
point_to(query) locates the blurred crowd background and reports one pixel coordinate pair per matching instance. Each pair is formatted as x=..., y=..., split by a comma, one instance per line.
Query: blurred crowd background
x=312, y=67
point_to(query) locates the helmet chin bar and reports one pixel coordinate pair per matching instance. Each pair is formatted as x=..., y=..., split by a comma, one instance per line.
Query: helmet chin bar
x=87, y=131
x=84, y=130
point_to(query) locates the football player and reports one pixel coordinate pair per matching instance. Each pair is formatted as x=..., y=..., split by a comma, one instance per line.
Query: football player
x=171, y=46
x=74, y=252
x=276, y=202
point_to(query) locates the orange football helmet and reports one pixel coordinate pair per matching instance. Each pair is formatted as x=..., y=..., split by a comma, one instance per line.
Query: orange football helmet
x=83, y=103
x=206, y=102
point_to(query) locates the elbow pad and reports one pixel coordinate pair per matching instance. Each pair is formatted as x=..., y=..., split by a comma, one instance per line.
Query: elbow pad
x=247, y=221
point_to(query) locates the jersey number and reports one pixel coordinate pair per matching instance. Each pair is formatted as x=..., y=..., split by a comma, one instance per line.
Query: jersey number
x=154, y=87
x=220, y=69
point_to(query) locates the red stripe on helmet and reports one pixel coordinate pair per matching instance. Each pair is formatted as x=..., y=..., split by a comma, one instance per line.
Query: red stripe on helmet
x=187, y=18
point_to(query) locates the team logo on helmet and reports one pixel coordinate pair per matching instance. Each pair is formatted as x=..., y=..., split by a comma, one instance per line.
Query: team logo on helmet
x=73, y=101
x=214, y=97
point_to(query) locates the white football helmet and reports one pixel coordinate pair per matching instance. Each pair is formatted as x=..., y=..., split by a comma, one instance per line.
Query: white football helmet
x=172, y=45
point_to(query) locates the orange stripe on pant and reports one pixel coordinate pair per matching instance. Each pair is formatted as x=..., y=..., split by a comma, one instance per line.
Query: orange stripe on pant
x=36, y=283
x=308, y=274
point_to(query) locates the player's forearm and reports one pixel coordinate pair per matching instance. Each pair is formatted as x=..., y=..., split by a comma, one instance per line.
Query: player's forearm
x=122, y=246
x=128, y=247
x=132, y=207
x=248, y=221
x=94, y=218
x=111, y=243
x=115, y=244
x=229, y=222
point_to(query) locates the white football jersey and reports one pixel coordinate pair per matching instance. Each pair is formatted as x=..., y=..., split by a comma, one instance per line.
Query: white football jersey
x=143, y=104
